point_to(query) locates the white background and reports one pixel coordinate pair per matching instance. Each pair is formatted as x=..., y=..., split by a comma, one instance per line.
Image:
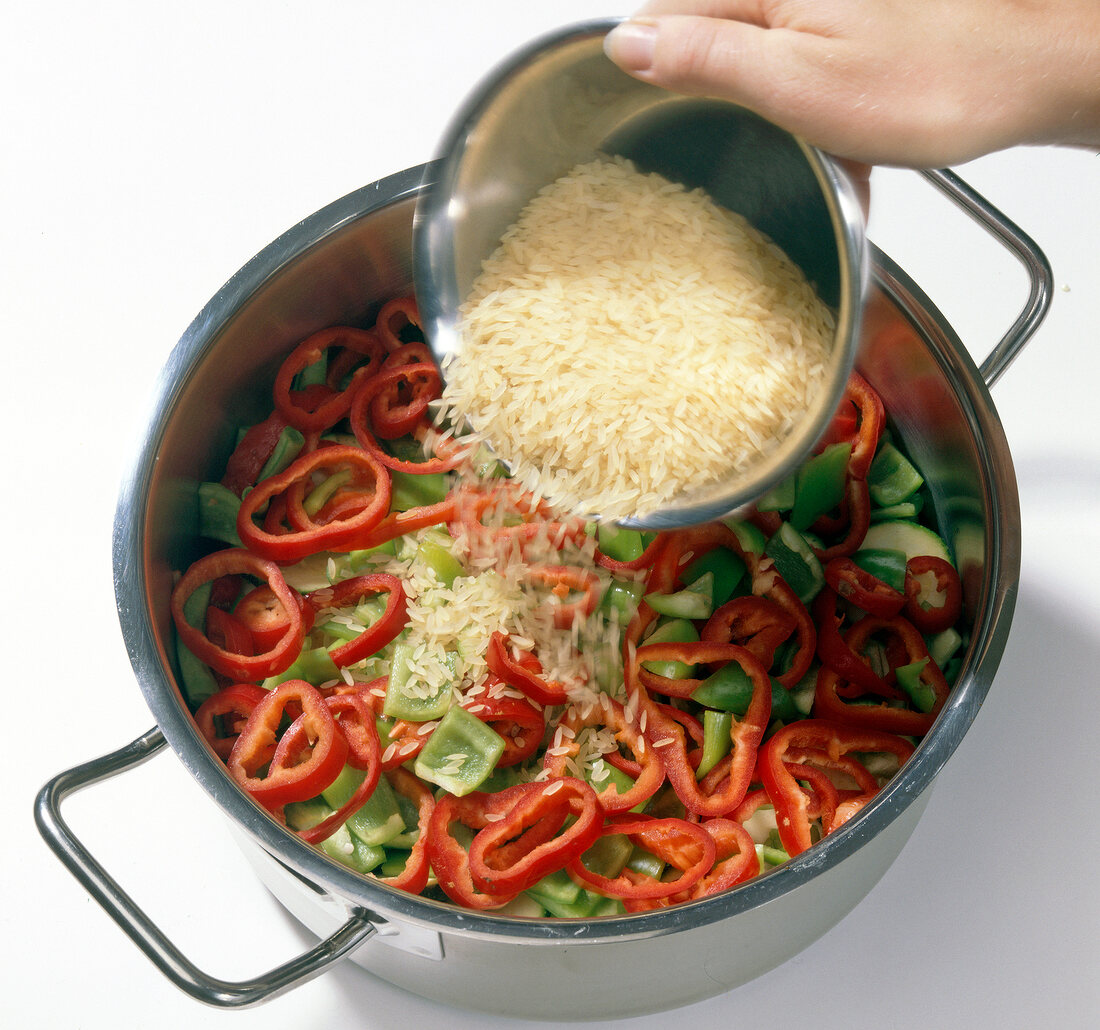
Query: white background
x=148, y=150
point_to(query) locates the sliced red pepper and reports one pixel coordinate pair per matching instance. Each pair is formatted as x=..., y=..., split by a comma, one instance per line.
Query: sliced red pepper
x=836, y=654
x=502, y=861
x=292, y=546
x=329, y=405
x=266, y=618
x=397, y=410
x=349, y=592
x=394, y=316
x=521, y=676
x=449, y=859
x=417, y=377
x=647, y=768
x=872, y=419
x=932, y=612
x=766, y=582
x=250, y=455
x=356, y=723
x=905, y=646
x=564, y=580
x=854, y=522
x=414, y=877
x=221, y=716
x=685, y=846
x=239, y=667
x=758, y=624
x=735, y=862
x=256, y=747
x=791, y=802
x=667, y=737
x=519, y=723
x=861, y=588
x=398, y=523
x=228, y=632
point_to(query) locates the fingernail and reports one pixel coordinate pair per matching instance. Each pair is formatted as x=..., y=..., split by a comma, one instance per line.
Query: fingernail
x=631, y=44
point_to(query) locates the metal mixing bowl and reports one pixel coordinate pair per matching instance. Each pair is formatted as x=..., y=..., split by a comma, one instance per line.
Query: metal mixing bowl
x=337, y=266
x=558, y=102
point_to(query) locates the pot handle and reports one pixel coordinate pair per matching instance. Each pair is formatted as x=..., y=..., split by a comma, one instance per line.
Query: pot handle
x=99, y=883
x=1024, y=247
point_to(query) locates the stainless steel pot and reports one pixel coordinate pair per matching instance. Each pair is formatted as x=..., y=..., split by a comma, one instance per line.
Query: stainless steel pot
x=336, y=266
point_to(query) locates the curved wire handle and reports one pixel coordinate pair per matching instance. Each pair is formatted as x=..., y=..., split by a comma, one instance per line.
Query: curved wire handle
x=139, y=928
x=1024, y=247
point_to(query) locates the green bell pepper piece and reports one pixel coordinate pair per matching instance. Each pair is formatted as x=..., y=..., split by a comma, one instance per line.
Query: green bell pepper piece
x=730, y=690
x=673, y=631
x=618, y=543
x=378, y=820
x=460, y=754
x=401, y=703
x=693, y=602
x=716, y=740
x=892, y=477
x=919, y=692
x=218, y=507
x=820, y=484
x=198, y=681
x=622, y=597
x=796, y=562
x=314, y=665
x=410, y=490
x=287, y=448
x=725, y=566
x=435, y=551
x=884, y=563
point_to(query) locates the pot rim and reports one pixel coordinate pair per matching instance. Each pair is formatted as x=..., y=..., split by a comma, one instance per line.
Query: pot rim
x=150, y=662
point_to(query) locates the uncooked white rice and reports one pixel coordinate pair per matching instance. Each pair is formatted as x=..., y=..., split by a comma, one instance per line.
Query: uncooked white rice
x=630, y=339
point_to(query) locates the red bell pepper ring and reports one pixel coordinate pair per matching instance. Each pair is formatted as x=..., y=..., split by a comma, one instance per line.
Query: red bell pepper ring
x=766, y=582
x=350, y=592
x=792, y=804
x=735, y=862
x=758, y=624
x=564, y=580
x=520, y=675
x=667, y=737
x=228, y=632
x=685, y=846
x=643, y=561
x=414, y=877
x=238, y=667
x=836, y=653
x=266, y=618
x=871, y=420
x=905, y=646
x=245, y=464
x=257, y=746
x=861, y=588
x=502, y=860
x=854, y=523
x=292, y=546
x=356, y=724
x=418, y=377
x=394, y=316
x=401, y=407
x=398, y=523
x=519, y=723
x=932, y=611
x=329, y=405
x=647, y=768
x=449, y=859
x=221, y=716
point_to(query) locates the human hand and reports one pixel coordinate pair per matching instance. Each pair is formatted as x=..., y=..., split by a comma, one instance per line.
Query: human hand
x=918, y=84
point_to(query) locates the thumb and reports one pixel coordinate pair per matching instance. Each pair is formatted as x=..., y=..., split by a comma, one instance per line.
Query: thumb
x=756, y=67
x=717, y=57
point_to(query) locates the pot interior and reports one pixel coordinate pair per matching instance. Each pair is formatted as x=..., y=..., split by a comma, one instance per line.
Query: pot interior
x=337, y=268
